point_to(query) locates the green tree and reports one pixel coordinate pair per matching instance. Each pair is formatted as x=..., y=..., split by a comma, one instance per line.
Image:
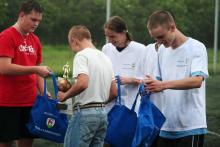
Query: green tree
x=194, y=18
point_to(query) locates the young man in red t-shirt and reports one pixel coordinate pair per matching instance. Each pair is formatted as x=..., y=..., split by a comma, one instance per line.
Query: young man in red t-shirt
x=20, y=75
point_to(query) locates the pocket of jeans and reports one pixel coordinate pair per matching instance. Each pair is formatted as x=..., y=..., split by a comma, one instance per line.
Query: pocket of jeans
x=74, y=122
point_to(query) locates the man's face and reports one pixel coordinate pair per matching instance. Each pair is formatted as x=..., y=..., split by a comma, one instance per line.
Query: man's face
x=29, y=22
x=163, y=35
x=73, y=44
x=117, y=39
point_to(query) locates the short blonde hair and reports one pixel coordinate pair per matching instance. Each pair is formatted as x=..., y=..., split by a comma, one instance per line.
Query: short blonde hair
x=160, y=18
x=79, y=32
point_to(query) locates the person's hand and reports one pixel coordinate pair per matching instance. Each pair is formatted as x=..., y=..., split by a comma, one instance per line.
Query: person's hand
x=126, y=80
x=43, y=71
x=153, y=85
x=61, y=96
x=48, y=94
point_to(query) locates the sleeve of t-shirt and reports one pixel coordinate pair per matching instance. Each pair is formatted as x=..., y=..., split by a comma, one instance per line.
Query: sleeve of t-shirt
x=147, y=64
x=39, y=52
x=80, y=65
x=159, y=62
x=104, y=49
x=113, y=74
x=6, y=46
x=152, y=62
x=199, y=65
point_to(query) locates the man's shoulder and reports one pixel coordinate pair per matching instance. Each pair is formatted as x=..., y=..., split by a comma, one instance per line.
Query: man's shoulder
x=137, y=45
x=195, y=46
x=192, y=41
x=8, y=31
x=108, y=47
x=87, y=52
x=34, y=36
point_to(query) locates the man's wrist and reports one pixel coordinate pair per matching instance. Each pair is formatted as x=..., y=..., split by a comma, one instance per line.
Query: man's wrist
x=165, y=85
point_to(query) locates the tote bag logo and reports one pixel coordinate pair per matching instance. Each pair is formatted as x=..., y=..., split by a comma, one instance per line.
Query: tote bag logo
x=50, y=122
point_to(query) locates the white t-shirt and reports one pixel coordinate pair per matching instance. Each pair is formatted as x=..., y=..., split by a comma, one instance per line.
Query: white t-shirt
x=149, y=66
x=98, y=67
x=129, y=62
x=148, y=62
x=184, y=109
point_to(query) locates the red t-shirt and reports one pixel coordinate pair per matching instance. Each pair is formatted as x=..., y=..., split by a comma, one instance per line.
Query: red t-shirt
x=26, y=50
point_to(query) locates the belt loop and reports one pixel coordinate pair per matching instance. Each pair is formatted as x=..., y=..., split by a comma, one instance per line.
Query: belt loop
x=78, y=108
x=103, y=106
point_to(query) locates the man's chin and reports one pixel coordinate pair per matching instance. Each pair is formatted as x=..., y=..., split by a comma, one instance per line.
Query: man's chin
x=31, y=30
x=115, y=44
x=166, y=45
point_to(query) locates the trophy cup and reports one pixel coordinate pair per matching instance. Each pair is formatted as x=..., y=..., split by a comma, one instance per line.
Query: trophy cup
x=64, y=85
x=63, y=82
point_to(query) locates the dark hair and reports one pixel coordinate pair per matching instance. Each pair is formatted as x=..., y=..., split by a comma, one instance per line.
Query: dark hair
x=80, y=32
x=30, y=5
x=118, y=25
x=160, y=17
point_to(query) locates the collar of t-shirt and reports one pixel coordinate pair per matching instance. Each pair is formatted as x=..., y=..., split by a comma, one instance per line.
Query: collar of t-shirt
x=120, y=48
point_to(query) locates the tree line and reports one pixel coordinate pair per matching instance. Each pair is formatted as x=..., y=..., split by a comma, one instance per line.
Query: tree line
x=195, y=18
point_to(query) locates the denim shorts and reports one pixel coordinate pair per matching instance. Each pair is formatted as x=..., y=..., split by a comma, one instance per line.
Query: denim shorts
x=87, y=128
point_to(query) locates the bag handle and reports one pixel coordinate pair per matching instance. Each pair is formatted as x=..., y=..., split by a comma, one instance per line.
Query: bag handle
x=54, y=85
x=118, y=100
x=135, y=101
x=141, y=92
x=118, y=80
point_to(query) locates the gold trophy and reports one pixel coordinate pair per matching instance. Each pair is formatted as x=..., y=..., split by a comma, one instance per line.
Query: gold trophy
x=63, y=82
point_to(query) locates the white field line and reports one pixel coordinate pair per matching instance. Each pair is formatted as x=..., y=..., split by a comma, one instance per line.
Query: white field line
x=214, y=133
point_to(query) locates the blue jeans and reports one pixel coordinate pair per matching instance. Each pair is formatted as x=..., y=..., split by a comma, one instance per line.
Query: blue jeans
x=87, y=128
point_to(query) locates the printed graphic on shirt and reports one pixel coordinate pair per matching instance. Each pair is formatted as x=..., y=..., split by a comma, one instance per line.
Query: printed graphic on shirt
x=27, y=49
x=130, y=66
x=182, y=62
x=128, y=69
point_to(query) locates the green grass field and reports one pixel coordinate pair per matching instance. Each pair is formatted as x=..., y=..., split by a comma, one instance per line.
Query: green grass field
x=57, y=56
x=213, y=110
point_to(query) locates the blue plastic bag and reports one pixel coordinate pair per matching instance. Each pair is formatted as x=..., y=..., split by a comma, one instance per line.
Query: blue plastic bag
x=45, y=119
x=122, y=123
x=150, y=121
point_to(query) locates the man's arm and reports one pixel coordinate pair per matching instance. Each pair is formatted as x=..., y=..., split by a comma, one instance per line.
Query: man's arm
x=129, y=80
x=8, y=68
x=40, y=85
x=80, y=85
x=113, y=92
x=183, y=84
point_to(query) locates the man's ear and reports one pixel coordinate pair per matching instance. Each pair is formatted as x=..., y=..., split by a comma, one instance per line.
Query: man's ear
x=77, y=42
x=21, y=14
x=72, y=40
x=173, y=27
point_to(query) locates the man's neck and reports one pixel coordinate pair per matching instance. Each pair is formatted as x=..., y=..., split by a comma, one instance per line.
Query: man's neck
x=18, y=27
x=179, y=40
x=86, y=44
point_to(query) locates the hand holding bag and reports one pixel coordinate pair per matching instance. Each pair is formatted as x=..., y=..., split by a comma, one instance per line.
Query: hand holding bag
x=46, y=121
x=150, y=121
x=121, y=122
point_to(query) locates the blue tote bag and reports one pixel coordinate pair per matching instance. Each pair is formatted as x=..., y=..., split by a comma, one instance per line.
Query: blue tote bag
x=122, y=122
x=45, y=119
x=150, y=121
